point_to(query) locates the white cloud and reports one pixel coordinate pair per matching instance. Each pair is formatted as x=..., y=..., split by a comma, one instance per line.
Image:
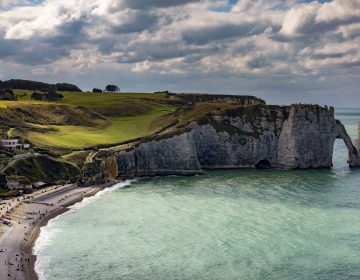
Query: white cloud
x=190, y=38
x=8, y=3
x=298, y=18
x=338, y=10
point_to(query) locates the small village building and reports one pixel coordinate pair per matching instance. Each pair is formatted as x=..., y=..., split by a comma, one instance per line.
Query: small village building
x=40, y=185
x=13, y=144
x=18, y=183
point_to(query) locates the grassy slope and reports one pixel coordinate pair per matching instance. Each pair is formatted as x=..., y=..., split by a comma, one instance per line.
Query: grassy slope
x=136, y=117
x=88, y=99
x=126, y=116
x=66, y=126
x=42, y=168
x=121, y=129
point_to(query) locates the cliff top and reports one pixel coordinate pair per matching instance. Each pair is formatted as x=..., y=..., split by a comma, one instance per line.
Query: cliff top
x=86, y=121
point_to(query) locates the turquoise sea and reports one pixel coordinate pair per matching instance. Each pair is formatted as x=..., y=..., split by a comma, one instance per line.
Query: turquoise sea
x=242, y=224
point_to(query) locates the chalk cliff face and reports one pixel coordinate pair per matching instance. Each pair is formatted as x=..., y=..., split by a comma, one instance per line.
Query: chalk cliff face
x=174, y=156
x=259, y=136
x=307, y=138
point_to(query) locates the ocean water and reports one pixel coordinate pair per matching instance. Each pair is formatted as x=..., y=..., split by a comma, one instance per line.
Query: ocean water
x=241, y=224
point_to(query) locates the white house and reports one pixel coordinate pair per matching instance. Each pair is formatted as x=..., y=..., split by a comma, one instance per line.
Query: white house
x=13, y=144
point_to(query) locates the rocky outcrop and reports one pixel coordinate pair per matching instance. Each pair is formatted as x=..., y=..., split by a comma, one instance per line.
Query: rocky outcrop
x=259, y=136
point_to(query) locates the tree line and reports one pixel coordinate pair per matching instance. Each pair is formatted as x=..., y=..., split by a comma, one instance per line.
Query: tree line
x=33, y=85
x=50, y=95
x=108, y=88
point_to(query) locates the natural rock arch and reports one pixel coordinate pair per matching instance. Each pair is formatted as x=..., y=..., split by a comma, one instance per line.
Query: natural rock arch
x=354, y=159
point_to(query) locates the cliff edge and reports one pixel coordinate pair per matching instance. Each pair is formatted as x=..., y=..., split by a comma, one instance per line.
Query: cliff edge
x=247, y=136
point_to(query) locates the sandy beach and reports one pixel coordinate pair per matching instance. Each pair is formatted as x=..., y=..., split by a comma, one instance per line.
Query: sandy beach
x=28, y=214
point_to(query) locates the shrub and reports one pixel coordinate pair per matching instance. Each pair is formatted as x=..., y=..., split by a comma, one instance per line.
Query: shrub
x=97, y=90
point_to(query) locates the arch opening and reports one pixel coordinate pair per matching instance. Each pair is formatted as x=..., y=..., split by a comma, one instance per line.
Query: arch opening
x=340, y=155
x=263, y=164
x=353, y=152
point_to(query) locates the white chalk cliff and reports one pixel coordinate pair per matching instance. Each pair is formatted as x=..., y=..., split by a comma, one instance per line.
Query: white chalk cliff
x=252, y=136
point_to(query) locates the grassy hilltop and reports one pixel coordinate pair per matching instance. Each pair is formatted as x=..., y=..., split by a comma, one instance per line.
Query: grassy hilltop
x=86, y=119
x=69, y=131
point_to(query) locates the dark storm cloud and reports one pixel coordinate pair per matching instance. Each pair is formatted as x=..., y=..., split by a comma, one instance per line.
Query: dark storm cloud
x=44, y=50
x=258, y=62
x=351, y=64
x=41, y=54
x=164, y=51
x=217, y=33
x=8, y=48
x=311, y=27
x=325, y=56
x=155, y=53
x=68, y=34
x=30, y=53
x=138, y=22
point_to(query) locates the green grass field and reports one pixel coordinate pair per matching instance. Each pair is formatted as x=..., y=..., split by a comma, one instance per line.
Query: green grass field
x=121, y=129
x=128, y=116
x=118, y=117
x=125, y=116
x=88, y=99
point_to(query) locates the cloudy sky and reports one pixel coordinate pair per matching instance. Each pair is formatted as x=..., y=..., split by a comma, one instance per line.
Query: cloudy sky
x=282, y=50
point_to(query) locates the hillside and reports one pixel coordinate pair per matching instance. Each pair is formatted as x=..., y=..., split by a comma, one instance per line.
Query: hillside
x=85, y=120
x=82, y=122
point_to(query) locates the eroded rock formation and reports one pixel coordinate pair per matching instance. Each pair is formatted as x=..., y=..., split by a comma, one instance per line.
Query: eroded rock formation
x=257, y=136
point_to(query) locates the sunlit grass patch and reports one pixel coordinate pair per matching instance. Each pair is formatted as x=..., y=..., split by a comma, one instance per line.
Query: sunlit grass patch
x=121, y=129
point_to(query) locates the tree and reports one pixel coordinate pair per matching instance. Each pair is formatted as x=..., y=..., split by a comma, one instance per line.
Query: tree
x=7, y=94
x=33, y=85
x=37, y=96
x=67, y=87
x=112, y=88
x=2, y=181
x=97, y=90
x=51, y=95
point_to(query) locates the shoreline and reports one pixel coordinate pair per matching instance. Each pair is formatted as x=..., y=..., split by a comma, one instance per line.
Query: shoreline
x=17, y=260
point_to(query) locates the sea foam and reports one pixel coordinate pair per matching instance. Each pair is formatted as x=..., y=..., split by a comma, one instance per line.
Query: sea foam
x=48, y=232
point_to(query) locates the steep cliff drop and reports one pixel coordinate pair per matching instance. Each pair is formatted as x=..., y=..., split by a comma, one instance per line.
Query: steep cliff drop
x=247, y=136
